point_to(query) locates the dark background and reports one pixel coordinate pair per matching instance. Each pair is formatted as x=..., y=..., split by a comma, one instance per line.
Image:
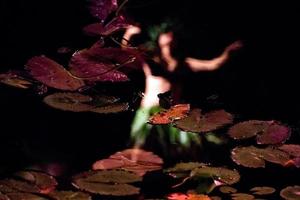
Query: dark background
x=261, y=81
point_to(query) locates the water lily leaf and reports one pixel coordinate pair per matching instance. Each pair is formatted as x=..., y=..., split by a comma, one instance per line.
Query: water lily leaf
x=291, y=193
x=197, y=122
x=3, y=197
x=227, y=190
x=100, y=9
x=69, y=102
x=247, y=157
x=134, y=160
x=264, y=190
x=103, y=100
x=291, y=149
x=69, y=195
x=113, y=108
x=43, y=181
x=14, y=80
x=168, y=116
x=112, y=182
x=185, y=167
x=4, y=188
x=267, y=132
x=20, y=186
x=116, y=24
x=24, y=196
x=52, y=74
x=181, y=196
x=242, y=196
x=224, y=175
x=91, y=68
x=274, y=155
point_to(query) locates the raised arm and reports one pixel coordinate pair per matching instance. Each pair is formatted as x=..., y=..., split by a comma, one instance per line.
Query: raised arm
x=197, y=65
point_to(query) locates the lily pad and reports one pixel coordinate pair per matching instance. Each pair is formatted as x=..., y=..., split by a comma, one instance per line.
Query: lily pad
x=134, y=160
x=274, y=155
x=291, y=193
x=24, y=196
x=69, y=195
x=197, y=122
x=102, y=8
x=185, y=167
x=168, y=116
x=14, y=80
x=43, y=181
x=291, y=149
x=74, y=102
x=223, y=175
x=242, y=196
x=20, y=186
x=112, y=182
x=113, y=108
x=52, y=74
x=266, y=132
x=264, y=190
x=227, y=190
x=248, y=157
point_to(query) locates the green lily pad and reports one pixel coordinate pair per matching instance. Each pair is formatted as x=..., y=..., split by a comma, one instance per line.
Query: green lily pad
x=242, y=196
x=107, y=182
x=198, y=123
x=264, y=190
x=224, y=175
x=182, y=170
x=248, y=157
x=291, y=193
x=69, y=195
x=74, y=102
x=227, y=189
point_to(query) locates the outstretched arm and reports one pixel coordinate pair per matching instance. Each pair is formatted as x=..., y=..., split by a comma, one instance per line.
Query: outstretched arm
x=197, y=65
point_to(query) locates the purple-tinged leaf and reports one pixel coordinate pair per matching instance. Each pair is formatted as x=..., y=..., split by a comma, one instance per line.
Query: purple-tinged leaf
x=52, y=74
x=291, y=193
x=102, y=8
x=96, y=29
x=292, y=149
x=84, y=66
x=247, y=129
x=275, y=134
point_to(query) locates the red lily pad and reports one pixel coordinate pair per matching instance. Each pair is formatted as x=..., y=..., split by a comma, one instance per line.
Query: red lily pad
x=291, y=193
x=89, y=68
x=102, y=8
x=292, y=149
x=197, y=122
x=227, y=189
x=69, y=195
x=14, y=80
x=266, y=132
x=24, y=196
x=174, y=113
x=134, y=160
x=242, y=196
x=262, y=190
x=117, y=24
x=52, y=74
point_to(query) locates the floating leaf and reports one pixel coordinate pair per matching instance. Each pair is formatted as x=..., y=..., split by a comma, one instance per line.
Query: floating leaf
x=247, y=157
x=24, y=196
x=267, y=132
x=197, y=123
x=224, y=175
x=135, y=160
x=4, y=188
x=14, y=80
x=20, y=186
x=102, y=8
x=242, y=196
x=116, y=24
x=262, y=190
x=112, y=182
x=52, y=74
x=185, y=167
x=69, y=101
x=291, y=193
x=291, y=149
x=43, y=181
x=113, y=108
x=227, y=190
x=174, y=113
x=180, y=196
x=69, y=195
x=93, y=68
x=255, y=157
